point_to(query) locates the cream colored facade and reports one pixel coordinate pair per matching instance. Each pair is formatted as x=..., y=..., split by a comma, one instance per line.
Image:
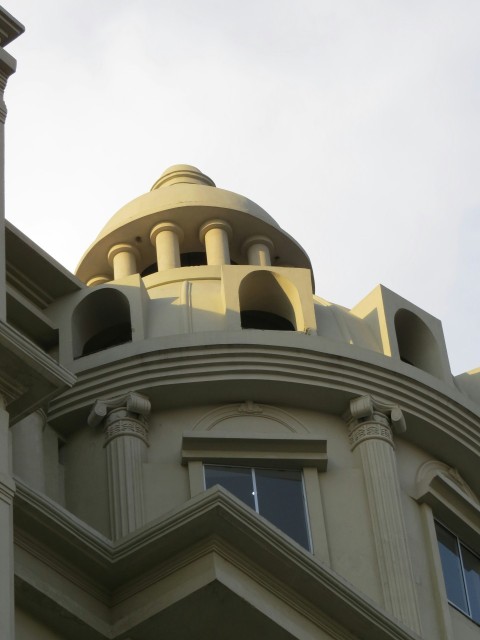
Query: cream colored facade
x=190, y=336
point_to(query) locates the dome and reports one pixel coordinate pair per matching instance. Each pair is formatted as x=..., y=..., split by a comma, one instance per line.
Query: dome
x=186, y=197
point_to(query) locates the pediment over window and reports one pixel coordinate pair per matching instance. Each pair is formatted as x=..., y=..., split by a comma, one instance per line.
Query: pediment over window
x=451, y=499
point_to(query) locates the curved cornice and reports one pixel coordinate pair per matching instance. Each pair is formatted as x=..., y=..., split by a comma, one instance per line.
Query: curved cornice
x=438, y=417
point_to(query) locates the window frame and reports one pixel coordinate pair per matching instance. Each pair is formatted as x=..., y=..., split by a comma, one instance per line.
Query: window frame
x=252, y=469
x=444, y=496
x=281, y=452
x=460, y=544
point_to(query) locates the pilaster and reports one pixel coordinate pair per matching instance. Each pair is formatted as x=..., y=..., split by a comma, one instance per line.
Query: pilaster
x=28, y=454
x=126, y=442
x=7, y=491
x=370, y=430
x=9, y=30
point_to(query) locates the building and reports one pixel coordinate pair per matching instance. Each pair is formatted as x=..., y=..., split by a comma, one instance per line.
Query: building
x=203, y=448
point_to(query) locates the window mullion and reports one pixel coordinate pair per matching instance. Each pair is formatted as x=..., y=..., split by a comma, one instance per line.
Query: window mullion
x=465, y=586
x=255, y=495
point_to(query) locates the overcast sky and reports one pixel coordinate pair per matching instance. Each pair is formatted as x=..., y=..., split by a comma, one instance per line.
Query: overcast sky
x=354, y=123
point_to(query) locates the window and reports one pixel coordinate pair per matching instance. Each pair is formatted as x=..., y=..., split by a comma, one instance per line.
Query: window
x=276, y=494
x=461, y=571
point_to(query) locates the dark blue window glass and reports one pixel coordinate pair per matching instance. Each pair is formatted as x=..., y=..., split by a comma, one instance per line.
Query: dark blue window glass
x=237, y=480
x=471, y=567
x=276, y=494
x=452, y=568
x=461, y=571
x=280, y=500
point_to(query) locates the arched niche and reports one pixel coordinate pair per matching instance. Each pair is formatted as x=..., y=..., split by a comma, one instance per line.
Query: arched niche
x=269, y=301
x=101, y=320
x=416, y=344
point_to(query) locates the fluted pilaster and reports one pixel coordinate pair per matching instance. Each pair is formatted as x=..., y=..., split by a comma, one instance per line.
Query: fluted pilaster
x=370, y=425
x=126, y=443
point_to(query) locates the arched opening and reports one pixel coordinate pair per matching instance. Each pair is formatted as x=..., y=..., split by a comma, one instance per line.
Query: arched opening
x=267, y=302
x=101, y=321
x=416, y=343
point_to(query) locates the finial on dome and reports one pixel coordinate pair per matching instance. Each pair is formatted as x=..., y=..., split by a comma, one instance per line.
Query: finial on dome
x=179, y=173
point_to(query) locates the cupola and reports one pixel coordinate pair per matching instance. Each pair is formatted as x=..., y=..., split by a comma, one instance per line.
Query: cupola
x=185, y=220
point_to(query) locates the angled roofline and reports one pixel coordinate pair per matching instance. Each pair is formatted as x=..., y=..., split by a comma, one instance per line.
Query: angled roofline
x=10, y=28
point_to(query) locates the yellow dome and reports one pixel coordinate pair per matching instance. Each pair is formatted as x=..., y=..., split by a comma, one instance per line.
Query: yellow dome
x=187, y=197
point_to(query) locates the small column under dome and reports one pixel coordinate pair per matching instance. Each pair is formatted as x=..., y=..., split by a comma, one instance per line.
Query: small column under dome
x=259, y=251
x=166, y=238
x=123, y=257
x=97, y=280
x=184, y=219
x=215, y=234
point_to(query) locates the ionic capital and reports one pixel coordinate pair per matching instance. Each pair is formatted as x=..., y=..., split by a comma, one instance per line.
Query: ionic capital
x=122, y=416
x=371, y=419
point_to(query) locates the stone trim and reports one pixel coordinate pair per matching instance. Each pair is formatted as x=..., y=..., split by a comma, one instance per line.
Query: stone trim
x=249, y=409
x=374, y=430
x=450, y=499
x=370, y=418
x=42, y=377
x=214, y=518
x=444, y=418
x=132, y=402
x=267, y=451
x=126, y=427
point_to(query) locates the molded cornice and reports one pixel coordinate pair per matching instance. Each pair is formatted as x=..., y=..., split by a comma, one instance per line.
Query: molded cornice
x=10, y=28
x=213, y=522
x=37, y=376
x=298, y=373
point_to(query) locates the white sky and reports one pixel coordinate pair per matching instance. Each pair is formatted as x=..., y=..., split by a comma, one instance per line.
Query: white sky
x=354, y=123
